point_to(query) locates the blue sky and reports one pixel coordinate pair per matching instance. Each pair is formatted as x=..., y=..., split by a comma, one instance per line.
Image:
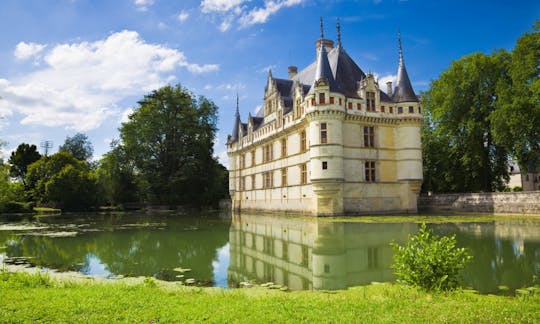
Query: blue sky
x=69, y=66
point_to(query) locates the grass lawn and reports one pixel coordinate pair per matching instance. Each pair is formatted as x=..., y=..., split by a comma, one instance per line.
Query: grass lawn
x=35, y=297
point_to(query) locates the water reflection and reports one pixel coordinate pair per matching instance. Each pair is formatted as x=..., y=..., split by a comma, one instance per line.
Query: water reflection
x=312, y=253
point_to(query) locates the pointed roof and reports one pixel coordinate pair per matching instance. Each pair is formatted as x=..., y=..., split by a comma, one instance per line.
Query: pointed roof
x=323, y=71
x=403, y=91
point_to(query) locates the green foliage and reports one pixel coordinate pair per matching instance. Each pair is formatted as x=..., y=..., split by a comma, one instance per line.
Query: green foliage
x=21, y=158
x=459, y=152
x=79, y=146
x=517, y=189
x=11, y=193
x=117, y=177
x=517, y=117
x=63, y=181
x=168, y=140
x=429, y=262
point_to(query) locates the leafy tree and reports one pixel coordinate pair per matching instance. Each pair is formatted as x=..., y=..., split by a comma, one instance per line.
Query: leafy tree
x=63, y=181
x=516, y=122
x=79, y=146
x=21, y=158
x=460, y=153
x=117, y=178
x=169, y=139
x=429, y=262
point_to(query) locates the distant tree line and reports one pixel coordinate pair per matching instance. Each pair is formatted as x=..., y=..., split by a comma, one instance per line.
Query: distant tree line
x=164, y=156
x=483, y=111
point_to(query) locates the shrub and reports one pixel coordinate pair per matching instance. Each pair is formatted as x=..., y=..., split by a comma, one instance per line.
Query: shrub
x=516, y=189
x=429, y=262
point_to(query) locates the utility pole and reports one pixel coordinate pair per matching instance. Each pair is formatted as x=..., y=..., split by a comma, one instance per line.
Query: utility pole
x=46, y=145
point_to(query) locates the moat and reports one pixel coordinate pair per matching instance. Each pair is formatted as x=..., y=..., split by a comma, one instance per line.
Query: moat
x=300, y=253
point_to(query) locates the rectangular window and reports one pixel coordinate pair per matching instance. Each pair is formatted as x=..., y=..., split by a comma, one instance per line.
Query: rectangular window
x=313, y=101
x=350, y=105
x=284, y=147
x=303, y=173
x=252, y=182
x=268, y=179
x=253, y=158
x=411, y=109
x=400, y=110
x=382, y=108
x=331, y=100
x=303, y=145
x=242, y=161
x=419, y=110
x=358, y=106
x=324, y=165
x=242, y=183
x=340, y=102
x=370, y=101
x=369, y=136
x=324, y=137
x=322, y=99
x=370, y=171
x=284, y=177
x=267, y=153
x=391, y=109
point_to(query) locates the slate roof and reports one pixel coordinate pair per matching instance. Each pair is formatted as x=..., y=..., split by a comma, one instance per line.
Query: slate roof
x=403, y=90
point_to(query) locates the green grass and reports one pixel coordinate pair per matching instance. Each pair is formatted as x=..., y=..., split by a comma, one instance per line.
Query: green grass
x=30, y=297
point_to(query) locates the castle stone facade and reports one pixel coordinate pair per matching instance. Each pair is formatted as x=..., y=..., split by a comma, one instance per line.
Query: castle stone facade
x=329, y=141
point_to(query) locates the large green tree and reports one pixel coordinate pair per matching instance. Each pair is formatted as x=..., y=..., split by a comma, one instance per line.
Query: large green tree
x=79, y=146
x=63, y=181
x=169, y=138
x=460, y=153
x=516, y=121
x=21, y=158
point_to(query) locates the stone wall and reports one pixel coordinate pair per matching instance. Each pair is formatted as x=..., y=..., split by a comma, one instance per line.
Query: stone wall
x=489, y=202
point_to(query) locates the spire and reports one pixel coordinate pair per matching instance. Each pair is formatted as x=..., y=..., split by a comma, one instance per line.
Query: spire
x=322, y=29
x=338, y=33
x=403, y=91
x=236, y=125
x=322, y=69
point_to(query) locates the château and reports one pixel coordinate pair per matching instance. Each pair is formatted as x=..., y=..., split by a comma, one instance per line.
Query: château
x=329, y=141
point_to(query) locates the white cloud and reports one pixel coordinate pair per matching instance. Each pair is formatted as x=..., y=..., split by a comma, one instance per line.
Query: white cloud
x=143, y=5
x=382, y=80
x=182, y=16
x=238, y=12
x=267, y=68
x=81, y=84
x=260, y=15
x=231, y=86
x=223, y=158
x=220, y=5
x=25, y=51
x=124, y=117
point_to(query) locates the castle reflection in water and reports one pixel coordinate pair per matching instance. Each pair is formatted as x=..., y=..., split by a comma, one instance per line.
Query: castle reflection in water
x=312, y=253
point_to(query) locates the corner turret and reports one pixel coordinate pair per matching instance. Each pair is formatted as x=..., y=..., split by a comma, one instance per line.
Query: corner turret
x=403, y=92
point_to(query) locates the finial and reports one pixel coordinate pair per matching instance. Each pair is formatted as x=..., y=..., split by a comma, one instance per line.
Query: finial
x=237, y=105
x=322, y=31
x=400, y=48
x=338, y=33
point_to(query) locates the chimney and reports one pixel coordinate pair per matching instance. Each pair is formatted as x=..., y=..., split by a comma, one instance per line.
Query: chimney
x=328, y=44
x=389, y=88
x=293, y=70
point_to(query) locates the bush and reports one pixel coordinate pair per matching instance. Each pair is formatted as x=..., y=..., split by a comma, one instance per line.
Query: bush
x=517, y=189
x=16, y=207
x=429, y=262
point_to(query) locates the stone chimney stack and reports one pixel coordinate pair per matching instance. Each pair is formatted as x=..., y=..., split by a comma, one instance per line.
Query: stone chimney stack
x=293, y=70
x=389, y=88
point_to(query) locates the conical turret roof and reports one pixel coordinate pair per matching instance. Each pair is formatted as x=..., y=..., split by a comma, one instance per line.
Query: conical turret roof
x=237, y=122
x=403, y=91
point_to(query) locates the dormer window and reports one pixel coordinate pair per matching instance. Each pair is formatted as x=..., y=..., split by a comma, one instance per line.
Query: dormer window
x=370, y=101
x=322, y=98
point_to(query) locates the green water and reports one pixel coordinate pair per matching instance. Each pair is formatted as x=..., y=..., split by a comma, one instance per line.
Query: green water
x=301, y=253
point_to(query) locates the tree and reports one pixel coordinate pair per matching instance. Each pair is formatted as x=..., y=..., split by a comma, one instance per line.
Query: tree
x=21, y=158
x=63, y=181
x=79, y=146
x=459, y=106
x=516, y=121
x=117, y=178
x=169, y=138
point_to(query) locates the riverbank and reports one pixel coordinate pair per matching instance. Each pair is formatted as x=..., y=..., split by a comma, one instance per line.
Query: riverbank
x=35, y=297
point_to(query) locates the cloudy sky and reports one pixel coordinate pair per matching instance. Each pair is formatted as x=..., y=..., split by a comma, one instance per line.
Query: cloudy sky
x=69, y=66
